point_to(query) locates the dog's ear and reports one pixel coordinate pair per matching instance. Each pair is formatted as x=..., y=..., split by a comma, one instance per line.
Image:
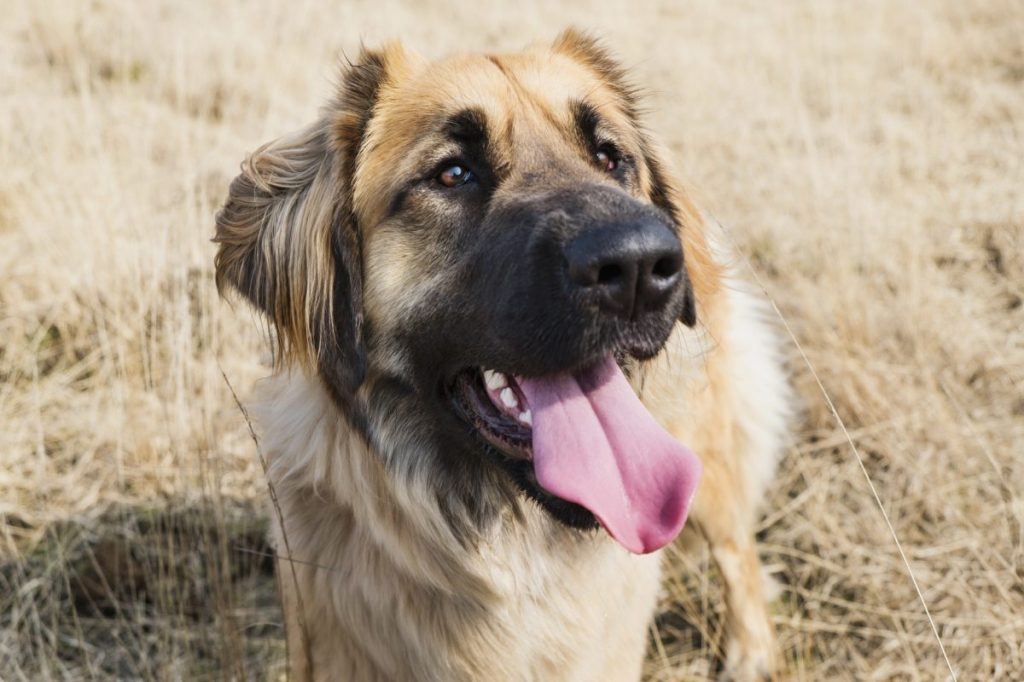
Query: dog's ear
x=661, y=188
x=289, y=241
x=588, y=50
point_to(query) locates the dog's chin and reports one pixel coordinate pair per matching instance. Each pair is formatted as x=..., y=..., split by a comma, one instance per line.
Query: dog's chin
x=521, y=472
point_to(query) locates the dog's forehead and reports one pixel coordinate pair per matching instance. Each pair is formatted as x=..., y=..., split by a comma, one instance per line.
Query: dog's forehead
x=506, y=86
x=526, y=98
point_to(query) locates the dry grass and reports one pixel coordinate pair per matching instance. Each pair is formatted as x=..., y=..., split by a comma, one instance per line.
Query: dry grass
x=868, y=158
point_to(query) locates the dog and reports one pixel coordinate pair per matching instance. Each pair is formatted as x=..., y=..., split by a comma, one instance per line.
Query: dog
x=497, y=319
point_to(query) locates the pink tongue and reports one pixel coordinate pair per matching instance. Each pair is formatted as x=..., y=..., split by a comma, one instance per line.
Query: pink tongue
x=595, y=444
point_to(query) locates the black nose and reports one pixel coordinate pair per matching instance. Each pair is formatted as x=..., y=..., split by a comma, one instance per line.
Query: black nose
x=627, y=269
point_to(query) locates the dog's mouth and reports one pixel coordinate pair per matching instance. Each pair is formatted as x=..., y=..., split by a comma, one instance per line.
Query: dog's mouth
x=585, y=439
x=495, y=406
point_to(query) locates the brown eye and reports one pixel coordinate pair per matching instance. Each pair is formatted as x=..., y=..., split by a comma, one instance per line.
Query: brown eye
x=455, y=175
x=606, y=160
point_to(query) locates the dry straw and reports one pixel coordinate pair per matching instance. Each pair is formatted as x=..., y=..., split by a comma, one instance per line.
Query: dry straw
x=869, y=158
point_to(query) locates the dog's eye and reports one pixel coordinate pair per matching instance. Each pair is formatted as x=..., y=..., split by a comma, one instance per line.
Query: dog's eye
x=455, y=175
x=607, y=159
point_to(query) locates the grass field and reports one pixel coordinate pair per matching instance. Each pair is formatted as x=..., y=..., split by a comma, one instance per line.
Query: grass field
x=867, y=158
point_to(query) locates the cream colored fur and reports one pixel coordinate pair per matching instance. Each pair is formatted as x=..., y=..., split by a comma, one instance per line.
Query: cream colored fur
x=388, y=593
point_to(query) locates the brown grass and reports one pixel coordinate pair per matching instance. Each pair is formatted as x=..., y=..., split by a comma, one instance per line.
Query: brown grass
x=867, y=157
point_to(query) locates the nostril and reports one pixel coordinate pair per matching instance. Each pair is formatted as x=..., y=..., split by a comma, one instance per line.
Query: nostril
x=624, y=270
x=609, y=273
x=666, y=267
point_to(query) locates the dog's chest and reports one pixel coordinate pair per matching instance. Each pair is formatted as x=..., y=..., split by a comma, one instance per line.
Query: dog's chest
x=581, y=614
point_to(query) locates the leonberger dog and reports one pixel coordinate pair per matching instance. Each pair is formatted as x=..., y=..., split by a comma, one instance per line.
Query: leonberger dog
x=497, y=318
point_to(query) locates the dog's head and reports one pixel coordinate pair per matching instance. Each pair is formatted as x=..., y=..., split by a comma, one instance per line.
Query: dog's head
x=466, y=252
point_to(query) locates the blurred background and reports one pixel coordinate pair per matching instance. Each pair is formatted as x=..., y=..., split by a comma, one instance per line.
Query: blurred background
x=867, y=158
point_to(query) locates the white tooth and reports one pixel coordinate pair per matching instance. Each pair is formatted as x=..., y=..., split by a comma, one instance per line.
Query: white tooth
x=508, y=397
x=494, y=380
x=526, y=417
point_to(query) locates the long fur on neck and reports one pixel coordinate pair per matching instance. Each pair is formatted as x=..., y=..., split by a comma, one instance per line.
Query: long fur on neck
x=395, y=590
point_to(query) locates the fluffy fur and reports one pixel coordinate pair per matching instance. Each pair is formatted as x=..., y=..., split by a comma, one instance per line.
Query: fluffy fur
x=407, y=561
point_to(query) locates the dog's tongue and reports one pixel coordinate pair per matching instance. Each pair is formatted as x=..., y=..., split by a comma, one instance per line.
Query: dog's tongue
x=595, y=444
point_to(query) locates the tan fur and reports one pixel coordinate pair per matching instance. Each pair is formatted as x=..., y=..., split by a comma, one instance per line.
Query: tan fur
x=392, y=588
x=392, y=595
x=281, y=201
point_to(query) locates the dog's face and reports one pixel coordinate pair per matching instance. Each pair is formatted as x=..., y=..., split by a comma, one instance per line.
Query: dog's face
x=457, y=244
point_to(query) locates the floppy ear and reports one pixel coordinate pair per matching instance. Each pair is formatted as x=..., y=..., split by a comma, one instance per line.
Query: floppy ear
x=288, y=239
x=662, y=190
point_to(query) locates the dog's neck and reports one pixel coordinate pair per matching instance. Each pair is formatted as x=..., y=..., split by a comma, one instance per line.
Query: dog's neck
x=314, y=453
x=372, y=555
